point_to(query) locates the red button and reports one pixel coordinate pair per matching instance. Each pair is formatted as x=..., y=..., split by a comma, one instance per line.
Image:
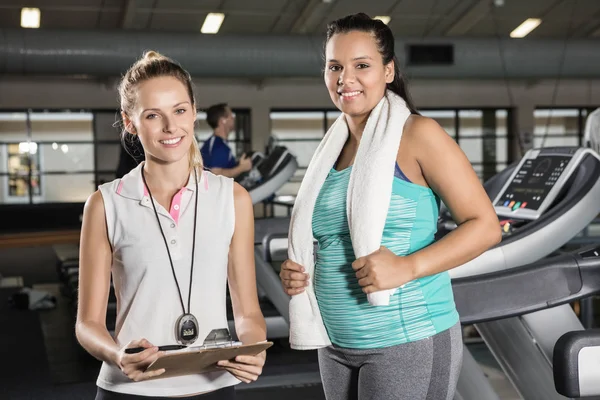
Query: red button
x=524, y=204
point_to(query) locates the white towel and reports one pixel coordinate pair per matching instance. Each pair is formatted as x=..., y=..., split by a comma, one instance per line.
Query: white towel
x=368, y=200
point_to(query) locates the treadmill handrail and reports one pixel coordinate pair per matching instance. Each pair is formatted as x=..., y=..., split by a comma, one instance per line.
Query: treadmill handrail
x=517, y=291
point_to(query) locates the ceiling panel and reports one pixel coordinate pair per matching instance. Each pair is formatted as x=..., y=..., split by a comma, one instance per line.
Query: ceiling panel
x=409, y=17
x=142, y=19
x=524, y=9
x=270, y=7
x=341, y=9
x=10, y=18
x=51, y=3
x=572, y=17
x=423, y=9
x=202, y=5
x=288, y=16
x=110, y=19
x=408, y=28
x=69, y=20
x=445, y=16
x=113, y=3
x=144, y=5
x=260, y=24
x=490, y=26
x=161, y=21
x=372, y=8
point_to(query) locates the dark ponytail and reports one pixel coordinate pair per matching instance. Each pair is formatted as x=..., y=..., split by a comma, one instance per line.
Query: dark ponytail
x=385, y=45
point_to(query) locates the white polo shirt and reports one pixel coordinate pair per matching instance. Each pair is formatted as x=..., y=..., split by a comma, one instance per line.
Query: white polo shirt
x=148, y=304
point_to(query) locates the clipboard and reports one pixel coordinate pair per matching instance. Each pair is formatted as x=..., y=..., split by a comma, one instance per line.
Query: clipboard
x=204, y=358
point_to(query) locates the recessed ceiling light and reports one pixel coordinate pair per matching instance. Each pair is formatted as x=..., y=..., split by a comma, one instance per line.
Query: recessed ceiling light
x=383, y=18
x=212, y=23
x=30, y=17
x=525, y=28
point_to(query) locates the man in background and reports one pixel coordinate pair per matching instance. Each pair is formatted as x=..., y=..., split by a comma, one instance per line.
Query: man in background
x=216, y=153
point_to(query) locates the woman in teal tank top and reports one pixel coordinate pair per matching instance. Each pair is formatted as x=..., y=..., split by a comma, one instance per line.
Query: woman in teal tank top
x=411, y=348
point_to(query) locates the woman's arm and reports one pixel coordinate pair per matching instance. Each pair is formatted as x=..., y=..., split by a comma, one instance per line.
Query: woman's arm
x=95, y=258
x=249, y=322
x=448, y=172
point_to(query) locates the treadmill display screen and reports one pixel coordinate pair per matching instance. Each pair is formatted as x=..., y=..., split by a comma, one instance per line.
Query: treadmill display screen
x=533, y=182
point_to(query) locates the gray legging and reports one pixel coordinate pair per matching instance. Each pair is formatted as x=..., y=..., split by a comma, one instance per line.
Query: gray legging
x=427, y=369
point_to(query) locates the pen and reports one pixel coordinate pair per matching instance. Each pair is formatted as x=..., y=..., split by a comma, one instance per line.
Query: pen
x=135, y=350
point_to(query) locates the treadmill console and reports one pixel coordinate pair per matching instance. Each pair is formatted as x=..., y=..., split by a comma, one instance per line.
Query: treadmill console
x=536, y=182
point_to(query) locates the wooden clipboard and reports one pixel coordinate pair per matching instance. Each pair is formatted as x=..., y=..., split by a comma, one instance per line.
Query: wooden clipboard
x=196, y=361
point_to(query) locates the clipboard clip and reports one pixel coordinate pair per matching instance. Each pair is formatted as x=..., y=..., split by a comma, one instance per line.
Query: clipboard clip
x=218, y=339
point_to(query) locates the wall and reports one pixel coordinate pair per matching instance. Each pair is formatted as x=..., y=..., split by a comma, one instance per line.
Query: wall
x=261, y=96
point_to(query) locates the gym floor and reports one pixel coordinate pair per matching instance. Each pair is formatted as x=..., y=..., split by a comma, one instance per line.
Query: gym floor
x=42, y=359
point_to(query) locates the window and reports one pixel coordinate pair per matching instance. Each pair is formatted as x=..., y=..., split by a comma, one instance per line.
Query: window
x=67, y=159
x=23, y=158
x=557, y=127
x=446, y=119
x=301, y=132
x=481, y=133
x=63, y=155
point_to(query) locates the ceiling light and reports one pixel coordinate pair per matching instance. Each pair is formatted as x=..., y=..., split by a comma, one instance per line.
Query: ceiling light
x=212, y=23
x=383, y=18
x=30, y=17
x=527, y=26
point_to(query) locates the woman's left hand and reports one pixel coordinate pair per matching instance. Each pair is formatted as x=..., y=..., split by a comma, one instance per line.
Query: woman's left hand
x=246, y=368
x=382, y=270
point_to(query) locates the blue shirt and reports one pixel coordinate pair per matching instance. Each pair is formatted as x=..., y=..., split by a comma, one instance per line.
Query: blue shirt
x=217, y=154
x=421, y=308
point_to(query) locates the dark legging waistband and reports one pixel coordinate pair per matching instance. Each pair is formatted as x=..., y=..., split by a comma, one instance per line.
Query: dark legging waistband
x=227, y=393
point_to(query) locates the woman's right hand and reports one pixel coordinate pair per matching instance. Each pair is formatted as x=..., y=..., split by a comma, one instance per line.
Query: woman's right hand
x=293, y=278
x=134, y=365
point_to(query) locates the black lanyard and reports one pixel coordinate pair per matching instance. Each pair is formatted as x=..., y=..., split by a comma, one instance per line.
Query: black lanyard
x=167, y=245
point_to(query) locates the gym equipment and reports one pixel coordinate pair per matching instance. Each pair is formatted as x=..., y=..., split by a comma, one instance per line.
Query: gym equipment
x=269, y=173
x=542, y=202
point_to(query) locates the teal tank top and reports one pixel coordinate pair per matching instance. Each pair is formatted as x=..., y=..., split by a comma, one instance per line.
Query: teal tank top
x=420, y=309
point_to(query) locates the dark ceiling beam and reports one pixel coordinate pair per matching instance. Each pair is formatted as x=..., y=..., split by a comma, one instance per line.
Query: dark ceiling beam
x=128, y=14
x=310, y=16
x=590, y=27
x=470, y=18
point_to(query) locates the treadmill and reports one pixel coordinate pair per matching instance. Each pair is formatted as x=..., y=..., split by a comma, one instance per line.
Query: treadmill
x=521, y=310
x=542, y=202
x=522, y=329
x=268, y=173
